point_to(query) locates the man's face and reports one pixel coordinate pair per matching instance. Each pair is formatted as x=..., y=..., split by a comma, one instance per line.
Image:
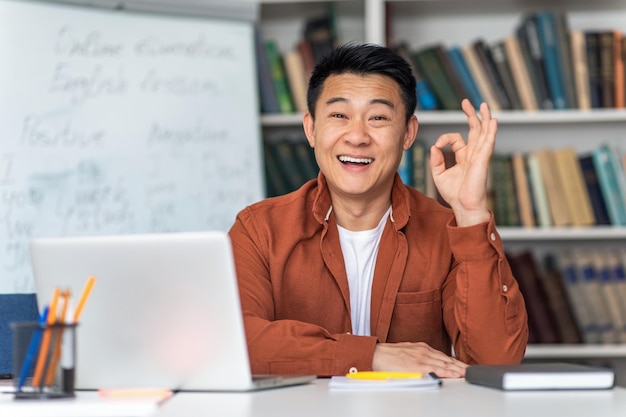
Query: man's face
x=359, y=133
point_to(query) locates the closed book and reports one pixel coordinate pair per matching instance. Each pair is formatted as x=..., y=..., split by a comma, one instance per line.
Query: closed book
x=578, y=299
x=561, y=23
x=420, y=164
x=267, y=92
x=528, y=37
x=296, y=78
x=594, y=63
x=611, y=178
x=429, y=64
x=426, y=99
x=485, y=58
x=592, y=290
x=503, y=66
x=559, y=302
x=611, y=297
x=480, y=77
x=607, y=69
x=559, y=209
x=546, y=25
x=538, y=191
x=573, y=185
x=593, y=189
x=279, y=76
x=453, y=76
x=619, y=76
x=581, y=72
x=320, y=34
x=460, y=66
x=520, y=74
x=541, y=323
x=522, y=190
x=541, y=376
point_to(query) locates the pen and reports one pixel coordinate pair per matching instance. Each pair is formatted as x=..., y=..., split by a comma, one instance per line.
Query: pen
x=32, y=350
x=378, y=375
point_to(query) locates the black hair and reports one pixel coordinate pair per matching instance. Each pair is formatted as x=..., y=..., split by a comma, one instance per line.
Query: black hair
x=363, y=59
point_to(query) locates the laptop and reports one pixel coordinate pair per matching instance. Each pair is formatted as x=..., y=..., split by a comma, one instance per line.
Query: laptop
x=164, y=311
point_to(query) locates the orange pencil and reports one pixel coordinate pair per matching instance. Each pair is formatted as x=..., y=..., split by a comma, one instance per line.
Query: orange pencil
x=83, y=297
x=45, y=343
x=56, y=353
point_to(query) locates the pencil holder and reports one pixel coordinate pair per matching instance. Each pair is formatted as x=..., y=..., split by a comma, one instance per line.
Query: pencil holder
x=43, y=360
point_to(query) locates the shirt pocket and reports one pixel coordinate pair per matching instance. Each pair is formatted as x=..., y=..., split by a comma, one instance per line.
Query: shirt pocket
x=417, y=317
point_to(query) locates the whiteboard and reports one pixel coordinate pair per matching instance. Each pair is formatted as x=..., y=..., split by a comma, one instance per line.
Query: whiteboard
x=114, y=122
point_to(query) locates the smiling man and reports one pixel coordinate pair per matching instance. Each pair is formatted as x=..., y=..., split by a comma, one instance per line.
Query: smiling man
x=355, y=270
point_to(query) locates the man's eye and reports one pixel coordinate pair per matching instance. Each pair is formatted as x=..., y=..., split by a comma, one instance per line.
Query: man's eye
x=337, y=116
x=379, y=118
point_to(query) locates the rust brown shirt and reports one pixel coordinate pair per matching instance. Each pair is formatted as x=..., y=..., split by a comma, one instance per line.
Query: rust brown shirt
x=433, y=282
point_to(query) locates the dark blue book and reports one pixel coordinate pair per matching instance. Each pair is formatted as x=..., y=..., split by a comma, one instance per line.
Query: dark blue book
x=593, y=188
x=464, y=74
x=546, y=25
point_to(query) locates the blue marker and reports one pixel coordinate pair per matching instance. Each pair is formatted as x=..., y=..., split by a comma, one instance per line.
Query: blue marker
x=32, y=350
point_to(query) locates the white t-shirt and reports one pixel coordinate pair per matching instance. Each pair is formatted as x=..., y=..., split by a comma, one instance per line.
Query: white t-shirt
x=359, y=253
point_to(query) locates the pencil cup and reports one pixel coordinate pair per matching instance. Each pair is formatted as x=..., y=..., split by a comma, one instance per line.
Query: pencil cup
x=43, y=360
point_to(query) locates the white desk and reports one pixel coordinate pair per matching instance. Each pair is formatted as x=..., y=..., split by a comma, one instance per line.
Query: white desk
x=454, y=398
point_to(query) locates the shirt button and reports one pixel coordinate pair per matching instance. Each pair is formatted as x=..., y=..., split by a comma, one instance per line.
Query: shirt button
x=493, y=236
x=353, y=370
x=505, y=288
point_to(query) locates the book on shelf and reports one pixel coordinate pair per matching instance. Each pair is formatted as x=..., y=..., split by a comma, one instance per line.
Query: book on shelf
x=573, y=186
x=538, y=191
x=562, y=310
x=579, y=69
x=451, y=73
x=296, y=79
x=502, y=63
x=564, y=49
x=429, y=64
x=594, y=63
x=548, y=39
x=592, y=290
x=612, y=180
x=460, y=66
x=519, y=72
x=522, y=190
x=527, y=34
x=320, y=33
x=576, y=294
x=426, y=99
x=619, y=81
x=482, y=82
x=607, y=69
x=593, y=189
x=279, y=77
x=267, y=92
x=613, y=302
x=551, y=178
x=420, y=164
x=488, y=66
x=541, y=323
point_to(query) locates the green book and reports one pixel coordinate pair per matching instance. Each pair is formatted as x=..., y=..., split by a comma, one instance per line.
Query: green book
x=430, y=65
x=279, y=77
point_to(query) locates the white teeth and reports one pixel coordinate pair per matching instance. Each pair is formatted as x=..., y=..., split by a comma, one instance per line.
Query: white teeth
x=356, y=160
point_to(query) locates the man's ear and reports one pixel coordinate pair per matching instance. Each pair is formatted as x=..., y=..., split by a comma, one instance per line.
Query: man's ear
x=309, y=128
x=411, y=132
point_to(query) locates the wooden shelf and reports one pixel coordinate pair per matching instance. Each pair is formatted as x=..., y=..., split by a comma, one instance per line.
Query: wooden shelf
x=563, y=233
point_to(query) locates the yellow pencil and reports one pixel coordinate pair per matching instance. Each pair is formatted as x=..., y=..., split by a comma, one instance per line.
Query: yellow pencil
x=83, y=297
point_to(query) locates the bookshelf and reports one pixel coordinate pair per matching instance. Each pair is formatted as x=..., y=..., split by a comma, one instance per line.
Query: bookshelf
x=422, y=22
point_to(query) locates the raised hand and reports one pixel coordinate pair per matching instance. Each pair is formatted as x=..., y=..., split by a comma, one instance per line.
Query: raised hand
x=464, y=185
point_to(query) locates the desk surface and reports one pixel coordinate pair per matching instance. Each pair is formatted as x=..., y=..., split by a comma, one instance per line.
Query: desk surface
x=454, y=398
